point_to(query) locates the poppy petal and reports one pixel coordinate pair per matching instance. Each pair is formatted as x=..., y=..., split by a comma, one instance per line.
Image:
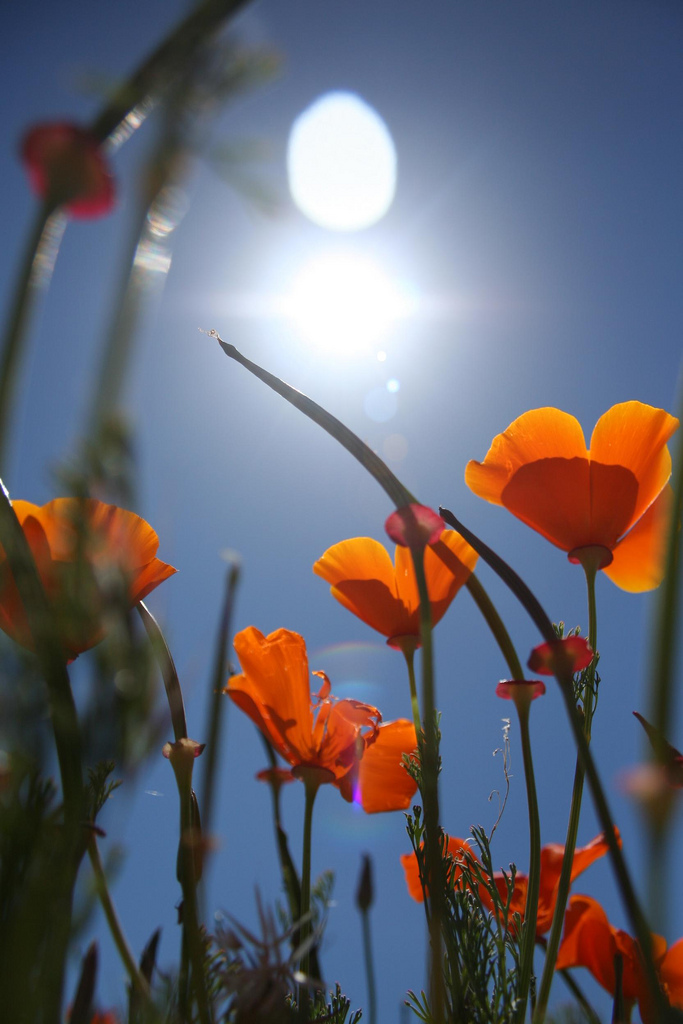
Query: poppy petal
x=383, y=782
x=634, y=435
x=671, y=974
x=275, y=683
x=363, y=580
x=539, y=434
x=638, y=562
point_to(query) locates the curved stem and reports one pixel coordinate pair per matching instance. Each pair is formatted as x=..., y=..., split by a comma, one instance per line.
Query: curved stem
x=138, y=982
x=531, y=908
x=564, y=883
x=169, y=674
x=496, y=625
x=34, y=273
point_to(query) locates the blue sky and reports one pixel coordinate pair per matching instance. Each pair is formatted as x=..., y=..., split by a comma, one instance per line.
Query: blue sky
x=537, y=216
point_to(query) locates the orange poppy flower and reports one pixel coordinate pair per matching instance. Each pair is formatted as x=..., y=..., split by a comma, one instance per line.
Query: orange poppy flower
x=274, y=690
x=591, y=941
x=551, y=866
x=384, y=595
x=612, y=496
x=80, y=549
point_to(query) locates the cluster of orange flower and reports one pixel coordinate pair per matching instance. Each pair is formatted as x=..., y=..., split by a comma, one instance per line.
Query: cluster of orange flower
x=612, y=499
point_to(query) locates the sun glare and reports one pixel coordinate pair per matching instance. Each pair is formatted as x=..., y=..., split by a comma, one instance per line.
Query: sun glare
x=345, y=303
x=341, y=163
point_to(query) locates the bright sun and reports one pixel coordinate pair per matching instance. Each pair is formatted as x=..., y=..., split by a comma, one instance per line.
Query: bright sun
x=345, y=303
x=341, y=163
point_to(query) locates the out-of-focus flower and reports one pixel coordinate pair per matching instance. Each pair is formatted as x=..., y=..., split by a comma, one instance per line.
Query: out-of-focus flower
x=458, y=849
x=551, y=866
x=563, y=656
x=521, y=691
x=82, y=550
x=414, y=526
x=65, y=165
x=383, y=783
x=591, y=941
x=274, y=690
x=277, y=777
x=385, y=595
x=611, y=497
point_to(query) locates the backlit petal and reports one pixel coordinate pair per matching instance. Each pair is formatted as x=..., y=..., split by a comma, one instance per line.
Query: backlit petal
x=275, y=683
x=540, y=434
x=458, y=848
x=638, y=562
x=363, y=579
x=671, y=974
x=383, y=782
x=634, y=435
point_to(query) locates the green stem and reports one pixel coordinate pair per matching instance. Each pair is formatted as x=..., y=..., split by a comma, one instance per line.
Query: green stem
x=409, y=655
x=564, y=883
x=34, y=274
x=369, y=967
x=496, y=625
x=429, y=751
x=311, y=784
x=531, y=908
x=138, y=982
x=192, y=940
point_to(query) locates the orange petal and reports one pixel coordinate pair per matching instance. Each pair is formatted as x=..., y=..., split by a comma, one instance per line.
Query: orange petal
x=671, y=974
x=383, y=782
x=275, y=686
x=588, y=941
x=363, y=579
x=634, y=435
x=448, y=565
x=536, y=435
x=552, y=496
x=340, y=735
x=551, y=867
x=638, y=562
x=456, y=847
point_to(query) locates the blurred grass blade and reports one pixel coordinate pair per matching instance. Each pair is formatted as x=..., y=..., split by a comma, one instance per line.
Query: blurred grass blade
x=214, y=715
x=133, y=101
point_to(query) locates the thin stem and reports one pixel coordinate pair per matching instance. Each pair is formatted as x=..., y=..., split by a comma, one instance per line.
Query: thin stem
x=369, y=967
x=496, y=625
x=531, y=908
x=138, y=982
x=429, y=751
x=192, y=940
x=409, y=655
x=564, y=883
x=311, y=784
